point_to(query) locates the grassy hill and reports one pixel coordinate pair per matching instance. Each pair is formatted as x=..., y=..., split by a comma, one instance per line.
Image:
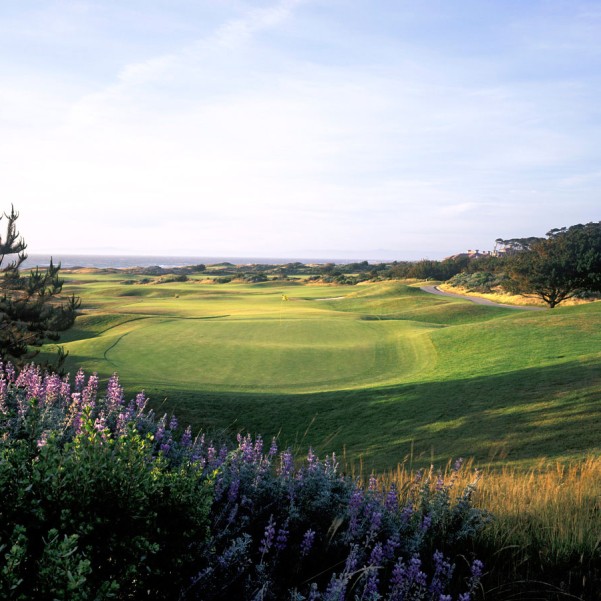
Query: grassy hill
x=377, y=371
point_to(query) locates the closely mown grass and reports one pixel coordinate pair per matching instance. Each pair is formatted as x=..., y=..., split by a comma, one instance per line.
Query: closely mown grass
x=544, y=538
x=376, y=369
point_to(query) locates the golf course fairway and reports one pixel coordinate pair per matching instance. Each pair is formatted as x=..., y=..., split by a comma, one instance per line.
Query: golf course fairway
x=379, y=372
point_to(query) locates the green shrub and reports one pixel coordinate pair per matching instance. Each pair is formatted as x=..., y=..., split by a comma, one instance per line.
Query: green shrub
x=90, y=512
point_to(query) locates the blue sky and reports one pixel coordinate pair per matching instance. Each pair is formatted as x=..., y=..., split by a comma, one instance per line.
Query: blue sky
x=328, y=128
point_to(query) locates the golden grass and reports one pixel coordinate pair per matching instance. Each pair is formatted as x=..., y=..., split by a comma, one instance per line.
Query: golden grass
x=506, y=298
x=551, y=511
x=497, y=297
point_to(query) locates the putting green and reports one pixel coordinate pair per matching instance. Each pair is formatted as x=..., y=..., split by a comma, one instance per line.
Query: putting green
x=253, y=355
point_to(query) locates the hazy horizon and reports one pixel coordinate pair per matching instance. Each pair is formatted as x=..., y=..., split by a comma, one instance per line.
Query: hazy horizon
x=287, y=128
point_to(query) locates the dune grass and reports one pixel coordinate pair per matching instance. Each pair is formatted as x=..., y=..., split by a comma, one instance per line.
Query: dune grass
x=543, y=539
x=376, y=371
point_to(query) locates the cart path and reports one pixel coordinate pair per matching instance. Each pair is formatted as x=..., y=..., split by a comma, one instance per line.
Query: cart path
x=477, y=299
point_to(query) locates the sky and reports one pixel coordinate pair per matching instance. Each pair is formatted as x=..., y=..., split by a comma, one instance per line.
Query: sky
x=357, y=129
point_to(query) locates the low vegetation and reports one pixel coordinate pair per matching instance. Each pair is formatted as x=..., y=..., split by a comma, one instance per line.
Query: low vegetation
x=103, y=500
x=543, y=541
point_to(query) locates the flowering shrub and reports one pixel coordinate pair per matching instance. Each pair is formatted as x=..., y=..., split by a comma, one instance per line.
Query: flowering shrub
x=91, y=508
x=103, y=499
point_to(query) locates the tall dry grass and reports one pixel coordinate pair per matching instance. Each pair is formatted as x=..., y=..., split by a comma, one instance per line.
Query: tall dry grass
x=544, y=538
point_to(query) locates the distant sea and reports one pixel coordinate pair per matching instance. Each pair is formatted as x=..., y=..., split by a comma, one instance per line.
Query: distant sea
x=122, y=261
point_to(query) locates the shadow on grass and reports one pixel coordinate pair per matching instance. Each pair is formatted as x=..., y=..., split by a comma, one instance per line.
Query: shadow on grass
x=552, y=412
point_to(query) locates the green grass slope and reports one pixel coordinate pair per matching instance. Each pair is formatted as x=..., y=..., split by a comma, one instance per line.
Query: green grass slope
x=379, y=371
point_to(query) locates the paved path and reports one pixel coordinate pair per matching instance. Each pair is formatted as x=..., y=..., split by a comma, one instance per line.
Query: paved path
x=477, y=299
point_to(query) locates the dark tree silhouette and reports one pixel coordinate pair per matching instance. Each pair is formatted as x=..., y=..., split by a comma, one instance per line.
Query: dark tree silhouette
x=31, y=310
x=561, y=266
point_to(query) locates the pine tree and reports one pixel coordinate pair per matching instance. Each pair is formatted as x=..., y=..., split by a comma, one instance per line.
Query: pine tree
x=31, y=311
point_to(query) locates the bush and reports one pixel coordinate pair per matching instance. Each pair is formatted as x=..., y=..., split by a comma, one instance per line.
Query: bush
x=91, y=507
x=171, y=277
x=307, y=532
x=479, y=281
x=102, y=499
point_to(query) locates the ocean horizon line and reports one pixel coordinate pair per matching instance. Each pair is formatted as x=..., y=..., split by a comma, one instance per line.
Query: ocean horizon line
x=123, y=261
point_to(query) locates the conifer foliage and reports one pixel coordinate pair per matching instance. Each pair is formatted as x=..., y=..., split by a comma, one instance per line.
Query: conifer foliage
x=30, y=309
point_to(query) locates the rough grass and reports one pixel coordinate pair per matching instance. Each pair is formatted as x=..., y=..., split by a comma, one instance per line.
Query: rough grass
x=384, y=370
x=544, y=540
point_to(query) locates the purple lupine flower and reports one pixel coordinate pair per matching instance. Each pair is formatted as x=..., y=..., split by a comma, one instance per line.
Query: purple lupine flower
x=406, y=514
x=199, y=460
x=414, y=573
x=3, y=389
x=371, y=584
x=311, y=459
x=186, y=439
x=458, y=464
x=373, y=483
x=53, y=386
x=211, y=454
x=160, y=431
x=232, y=493
x=173, y=423
x=273, y=449
x=65, y=388
x=336, y=588
x=10, y=372
x=246, y=448
x=376, y=521
x=354, y=508
x=232, y=515
x=281, y=540
x=141, y=401
x=307, y=543
x=90, y=391
x=100, y=422
x=376, y=555
x=267, y=539
x=392, y=499
x=77, y=423
x=125, y=417
x=445, y=598
x=443, y=571
x=22, y=406
x=464, y=597
x=426, y=523
x=313, y=593
x=258, y=446
x=392, y=544
x=30, y=378
x=166, y=447
x=477, y=569
x=352, y=560
x=76, y=400
x=80, y=378
x=114, y=393
x=286, y=463
x=398, y=578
